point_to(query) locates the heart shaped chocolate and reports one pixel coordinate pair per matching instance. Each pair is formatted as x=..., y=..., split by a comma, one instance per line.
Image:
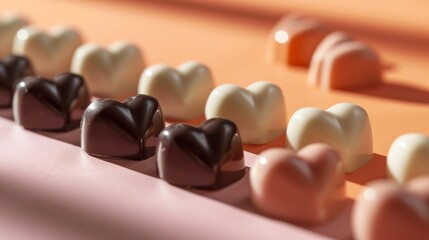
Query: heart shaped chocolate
x=50, y=52
x=305, y=187
x=207, y=156
x=182, y=92
x=340, y=62
x=9, y=25
x=387, y=210
x=345, y=126
x=54, y=105
x=12, y=69
x=408, y=157
x=111, y=72
x=122, y=130
x=258, y=110
x=294, y=39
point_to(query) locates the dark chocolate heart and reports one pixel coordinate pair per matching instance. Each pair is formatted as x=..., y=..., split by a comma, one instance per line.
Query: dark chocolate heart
x=12, y=69
x=122, y=130
x=209, y=156
x=53, y=105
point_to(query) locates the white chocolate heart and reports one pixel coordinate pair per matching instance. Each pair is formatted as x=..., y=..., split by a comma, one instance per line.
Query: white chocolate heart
x=294, y=39
x=305, y=187
x=182, y=93
x=344, y=126
x=408, y=157
x=259, y=111
x=110, y=72
x=50, y=53
x=9, y=25
x=340, y=62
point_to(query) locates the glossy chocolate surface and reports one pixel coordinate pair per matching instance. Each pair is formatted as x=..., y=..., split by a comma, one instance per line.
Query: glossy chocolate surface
x=207, y=156
x=122, y=130
x=54, y=105
x=12, y=69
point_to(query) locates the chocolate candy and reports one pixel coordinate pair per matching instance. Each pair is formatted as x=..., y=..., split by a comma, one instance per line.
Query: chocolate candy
x=209, y=156
x=307, y=186
x=258, y=110
x=50, y=52
x=113, y=71
x=12, y=69
x=345, y=126
x=122, y=130
x=387, y=210
x=53, y=105
x=340, y=62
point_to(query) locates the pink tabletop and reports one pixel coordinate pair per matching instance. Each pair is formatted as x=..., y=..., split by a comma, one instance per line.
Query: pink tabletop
x=52, y=190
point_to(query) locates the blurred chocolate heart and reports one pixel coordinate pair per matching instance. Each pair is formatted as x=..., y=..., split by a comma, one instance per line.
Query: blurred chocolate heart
x=207, y=156
x=53, y=105
x=12, y=69
x=122, y=130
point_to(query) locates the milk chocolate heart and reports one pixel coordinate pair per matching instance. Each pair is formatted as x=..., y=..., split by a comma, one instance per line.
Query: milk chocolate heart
x=12, y=69
x=126, y=130
x=340, y=62
x=209, y=156
x=51, y=53
x=111, y=72
x=9, y=25
x=408, y=157
x=344, y=126
x=182, y=93
x=294, y=39
x=44, y=104
x=304, y=187
x=259, y=110
x=386, y=210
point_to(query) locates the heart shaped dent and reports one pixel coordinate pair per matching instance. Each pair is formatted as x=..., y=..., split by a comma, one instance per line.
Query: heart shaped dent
x=122, y=130
x=50, y=53
x=209, y=156
x=259, y=110
x=182, y=93
x=294, y=39
x=344, y=126
x=12, y=69
x=340, y=62
x=111, y=72
x=386, y=210
x=305, y=187
x=55, y=105
x=9, y=25
x=408, y=157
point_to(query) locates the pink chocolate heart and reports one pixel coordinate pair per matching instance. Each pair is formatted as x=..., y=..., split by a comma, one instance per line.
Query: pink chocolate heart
x=304, y=187
x=387, y=210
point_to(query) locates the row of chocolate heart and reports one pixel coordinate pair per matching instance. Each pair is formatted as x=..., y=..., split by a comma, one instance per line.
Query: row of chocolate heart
x=308, y=186
x=346, y=127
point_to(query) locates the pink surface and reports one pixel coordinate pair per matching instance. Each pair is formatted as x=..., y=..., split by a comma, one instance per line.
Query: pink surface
x=52, y=190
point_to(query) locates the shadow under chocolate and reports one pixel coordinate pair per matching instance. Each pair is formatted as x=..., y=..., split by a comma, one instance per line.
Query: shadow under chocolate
x=147, y=166
x=374, y=169
x=6, y=113
x=279, y=142
x=70, y=135
x=238, y=195
x=398, y=92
